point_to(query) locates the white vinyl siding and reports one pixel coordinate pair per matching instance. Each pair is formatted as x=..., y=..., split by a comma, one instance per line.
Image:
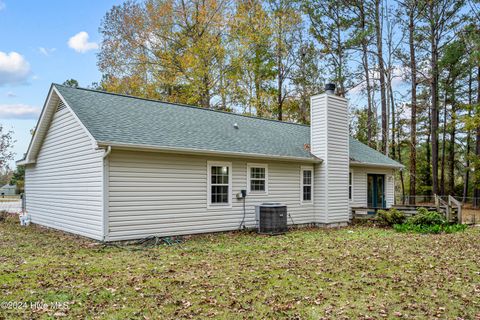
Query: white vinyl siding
x=360, y=185
x=330, y=142
x=64, y=187
x=166, y=194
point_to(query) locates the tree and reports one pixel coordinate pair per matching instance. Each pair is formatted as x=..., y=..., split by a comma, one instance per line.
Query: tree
x=362, y=35
x=441, y=17
x=286, y=26
x=453, y=62
x=381, y=71
x=18, y=178
x=307, y=80
x=171, y=49
x=359, y=125
x=6, y=144
x=71, y=83
x=412, y=12
x=252, y=58
x=330, y=25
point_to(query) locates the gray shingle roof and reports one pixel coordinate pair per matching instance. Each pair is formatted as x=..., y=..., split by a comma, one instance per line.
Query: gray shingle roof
x=129, y=120
x=362, y=153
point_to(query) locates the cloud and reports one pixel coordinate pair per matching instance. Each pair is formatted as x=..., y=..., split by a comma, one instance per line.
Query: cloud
x=13, y=68
x=2, y=5
x=46, y=51
x=18, y=111
x=11, y=94
x=79, y=43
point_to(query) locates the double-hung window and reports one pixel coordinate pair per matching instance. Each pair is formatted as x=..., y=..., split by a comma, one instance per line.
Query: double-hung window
x=257, y=178
x=306, y=179
x=219, y=183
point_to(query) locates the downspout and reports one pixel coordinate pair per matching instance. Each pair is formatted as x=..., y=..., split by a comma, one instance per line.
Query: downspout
x=105, y=192
x=109, y=149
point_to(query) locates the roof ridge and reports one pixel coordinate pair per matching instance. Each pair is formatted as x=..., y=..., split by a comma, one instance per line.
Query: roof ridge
x=180, y=105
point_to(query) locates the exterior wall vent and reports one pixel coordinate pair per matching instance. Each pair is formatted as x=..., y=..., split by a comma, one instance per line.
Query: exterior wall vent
x=60, y=107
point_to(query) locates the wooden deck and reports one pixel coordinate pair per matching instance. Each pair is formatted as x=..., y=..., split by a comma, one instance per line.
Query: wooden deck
x=451, y=208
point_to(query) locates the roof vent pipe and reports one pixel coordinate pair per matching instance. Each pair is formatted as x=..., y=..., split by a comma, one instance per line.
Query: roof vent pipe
x=330, y=88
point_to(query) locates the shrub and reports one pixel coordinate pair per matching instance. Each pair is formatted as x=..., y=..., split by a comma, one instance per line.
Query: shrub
x=3, y=216
x=446, y=228
x=428, y=222
x=390, y=217
x=426, y=218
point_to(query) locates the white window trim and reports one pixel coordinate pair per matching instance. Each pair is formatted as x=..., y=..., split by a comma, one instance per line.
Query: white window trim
x=257, y=165
x=353, y=177
x=304, y=168
x=211, y=205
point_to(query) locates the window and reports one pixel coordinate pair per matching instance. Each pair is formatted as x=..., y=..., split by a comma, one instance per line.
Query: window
x=350, y=183
x=257, y=178
x=307, y=184
x=219, y=183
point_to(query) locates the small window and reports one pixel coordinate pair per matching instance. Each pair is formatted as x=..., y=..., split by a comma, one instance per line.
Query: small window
x=307, y=184
x=350, y=183
x=257, y=175
x=219, y=183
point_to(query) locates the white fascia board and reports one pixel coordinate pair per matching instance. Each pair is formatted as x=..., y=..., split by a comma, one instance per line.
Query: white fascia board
x=132, y=146
x=27, y=159
x=92, y=139
x=36, y=135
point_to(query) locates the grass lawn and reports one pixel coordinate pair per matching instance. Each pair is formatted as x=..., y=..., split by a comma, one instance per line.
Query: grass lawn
x=356, y=272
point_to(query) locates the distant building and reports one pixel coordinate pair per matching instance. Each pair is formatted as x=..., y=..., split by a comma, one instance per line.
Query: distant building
x=8, y=190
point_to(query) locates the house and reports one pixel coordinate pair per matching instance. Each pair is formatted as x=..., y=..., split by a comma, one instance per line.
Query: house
x=121, y=167
x=8, y=190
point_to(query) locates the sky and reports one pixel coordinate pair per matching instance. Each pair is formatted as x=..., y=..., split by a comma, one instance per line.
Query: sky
x=44, y=42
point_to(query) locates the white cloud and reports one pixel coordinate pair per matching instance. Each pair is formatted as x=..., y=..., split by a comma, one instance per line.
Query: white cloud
x=46, y=51
x=11, y=94
x=13, y=68
x=2, y=5
x=18, y=111
x=79, y=43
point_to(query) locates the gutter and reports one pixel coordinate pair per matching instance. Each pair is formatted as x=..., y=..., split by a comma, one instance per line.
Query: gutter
x=377, y=165
x=107, y=152
x=22, y=162
x=131, y=146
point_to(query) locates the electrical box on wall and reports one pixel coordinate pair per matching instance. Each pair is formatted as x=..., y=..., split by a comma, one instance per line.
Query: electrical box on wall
x=242, y=194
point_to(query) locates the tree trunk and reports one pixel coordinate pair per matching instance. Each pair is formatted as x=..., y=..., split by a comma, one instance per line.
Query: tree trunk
x=381, y=69
x=392, y=108
x=476, y=191
x=428, y=178
x=279, y=94
x=396, y=146
x=434, y=96
x=366, y=69
x=280, y=70
x=451, y=149
x=444, y=135
x=467, y=154
x=413, y=123
x=402, y=180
